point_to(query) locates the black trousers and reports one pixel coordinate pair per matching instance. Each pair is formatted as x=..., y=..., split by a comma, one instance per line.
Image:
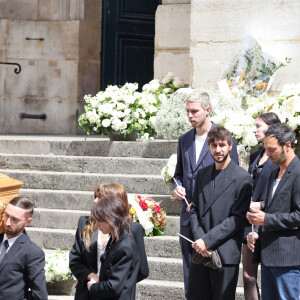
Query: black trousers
x=208, y=284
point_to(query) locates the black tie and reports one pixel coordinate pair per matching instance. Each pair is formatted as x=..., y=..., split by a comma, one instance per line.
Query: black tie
x=3, y=251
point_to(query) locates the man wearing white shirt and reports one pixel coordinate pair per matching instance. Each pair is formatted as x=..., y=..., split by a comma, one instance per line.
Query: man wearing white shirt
x=22, y=274
x=193, y=154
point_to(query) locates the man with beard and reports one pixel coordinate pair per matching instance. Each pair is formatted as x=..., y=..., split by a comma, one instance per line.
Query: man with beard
x=279, y=231
x=221, y=199
x=22, y=274
x=192, y=155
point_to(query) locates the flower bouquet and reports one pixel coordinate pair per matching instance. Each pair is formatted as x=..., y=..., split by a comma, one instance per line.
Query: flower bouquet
x=253, y=71
x=168, y=170
x=57, y=266
x=149, y=214
x=163, y=89
x=121, y=110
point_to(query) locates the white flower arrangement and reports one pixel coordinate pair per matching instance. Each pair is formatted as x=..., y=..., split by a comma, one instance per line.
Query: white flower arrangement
x=168, y=170
x=120, y=109
x=57, y=266
x=171, y=120
x=125, y=110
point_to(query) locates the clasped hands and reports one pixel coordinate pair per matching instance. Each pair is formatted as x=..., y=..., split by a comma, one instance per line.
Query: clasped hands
x=201, y=248
x=92, y=278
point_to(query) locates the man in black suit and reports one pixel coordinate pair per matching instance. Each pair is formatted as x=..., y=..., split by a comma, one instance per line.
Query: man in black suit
x=22, y=274
x=221, y=199
x=279, y=231
x=192, y=155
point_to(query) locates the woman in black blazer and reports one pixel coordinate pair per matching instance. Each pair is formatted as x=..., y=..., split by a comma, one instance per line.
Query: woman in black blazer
x=84, y=257
x=260, y=169
x=120, y=262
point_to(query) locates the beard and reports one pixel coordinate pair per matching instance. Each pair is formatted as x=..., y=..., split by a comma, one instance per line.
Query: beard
x=222, y=159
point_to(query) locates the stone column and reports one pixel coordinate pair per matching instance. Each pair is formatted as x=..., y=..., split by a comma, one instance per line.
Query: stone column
x=172, y=38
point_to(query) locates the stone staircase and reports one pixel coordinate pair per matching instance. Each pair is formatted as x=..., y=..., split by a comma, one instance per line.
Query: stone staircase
x=59, y=174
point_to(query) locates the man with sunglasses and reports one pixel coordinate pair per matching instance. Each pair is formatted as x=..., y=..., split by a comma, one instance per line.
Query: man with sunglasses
x=22, y=274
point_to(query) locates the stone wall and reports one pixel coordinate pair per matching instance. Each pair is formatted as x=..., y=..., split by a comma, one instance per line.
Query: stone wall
x=57, y=43
x=172, y=38
x=218, y=27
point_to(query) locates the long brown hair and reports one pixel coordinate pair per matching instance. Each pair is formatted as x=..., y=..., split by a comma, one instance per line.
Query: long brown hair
x=100, y=191
x=113, y=211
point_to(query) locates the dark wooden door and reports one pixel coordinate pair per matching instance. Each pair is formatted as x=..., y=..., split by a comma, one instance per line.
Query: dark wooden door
x=128, y=41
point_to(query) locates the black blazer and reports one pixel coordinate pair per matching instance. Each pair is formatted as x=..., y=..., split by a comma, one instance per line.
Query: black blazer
x=82, y=262
x=259, y=193
x=261, y=188
x=187, y=168
x=280, y=235
x=23, y=268
x=119, y=270
x=218, y=214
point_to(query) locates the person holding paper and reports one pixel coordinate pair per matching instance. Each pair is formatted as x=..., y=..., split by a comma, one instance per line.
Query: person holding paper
x=279, y=231
x=221, y=199
x=260, y=168
x=192, y=155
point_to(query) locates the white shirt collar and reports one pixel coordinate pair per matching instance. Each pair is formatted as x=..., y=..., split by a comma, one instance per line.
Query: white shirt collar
x=10, y=241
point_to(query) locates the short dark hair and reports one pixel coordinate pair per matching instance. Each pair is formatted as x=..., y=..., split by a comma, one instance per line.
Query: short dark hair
x=282, y=133
x=219, y=133
x=23, y=203
x=269, y=118
x=113, y=211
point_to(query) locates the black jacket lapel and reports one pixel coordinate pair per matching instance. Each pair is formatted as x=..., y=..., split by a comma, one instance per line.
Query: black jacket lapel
x=222, y=186
x=13, y=250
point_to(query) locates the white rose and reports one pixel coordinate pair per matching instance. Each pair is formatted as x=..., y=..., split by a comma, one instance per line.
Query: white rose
x=123, y=125
x=152, y=109
x=142, y=121
x=162, y=97
x=121, y=106
x=106, y=123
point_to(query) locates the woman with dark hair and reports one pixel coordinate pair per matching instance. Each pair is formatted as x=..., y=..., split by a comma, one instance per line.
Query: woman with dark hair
x=120, y=261
x=90, y=243
x=260, y=168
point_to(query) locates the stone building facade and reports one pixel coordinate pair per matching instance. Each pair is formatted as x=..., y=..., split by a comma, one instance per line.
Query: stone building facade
x=199, y=39
x=58, y=45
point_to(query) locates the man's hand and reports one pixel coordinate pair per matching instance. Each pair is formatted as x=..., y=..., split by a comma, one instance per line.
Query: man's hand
x=189, y=207
x=93, y=276
x=179, y=192
x=201, y=248
x=90, y=283
x=255, y=205
x=250, y=241
x=256, y=216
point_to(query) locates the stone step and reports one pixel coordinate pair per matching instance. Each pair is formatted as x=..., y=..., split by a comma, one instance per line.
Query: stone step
x=85, y=146
x=81, y=200
x=165, y=268
x=92, y=164
x=68, y=219
x=46, y=238
x=144, y=184
x=156, y=289
x=168, y=290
